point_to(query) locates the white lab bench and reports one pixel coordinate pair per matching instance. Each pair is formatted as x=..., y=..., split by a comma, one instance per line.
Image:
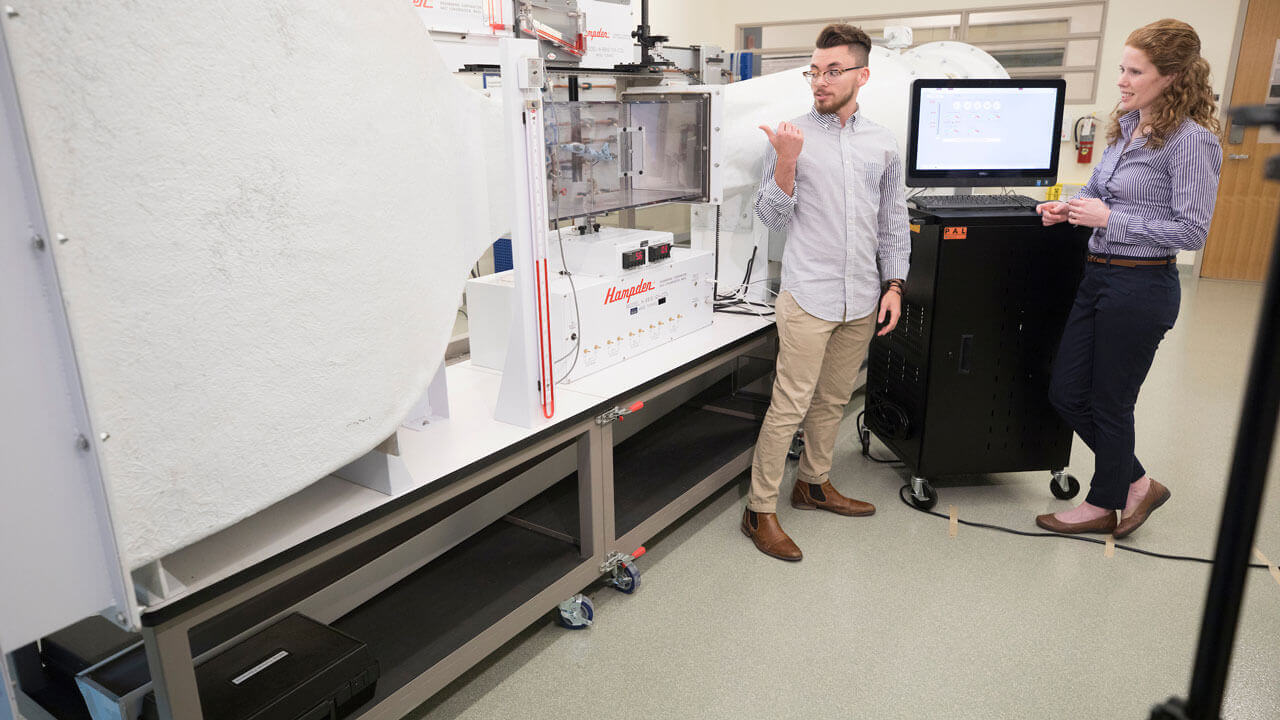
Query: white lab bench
x=504, y=524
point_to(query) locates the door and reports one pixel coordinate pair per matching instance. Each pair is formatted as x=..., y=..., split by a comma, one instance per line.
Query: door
x=1244, y=221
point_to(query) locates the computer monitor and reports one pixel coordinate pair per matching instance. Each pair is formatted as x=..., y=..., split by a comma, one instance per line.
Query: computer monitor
x=984, y=132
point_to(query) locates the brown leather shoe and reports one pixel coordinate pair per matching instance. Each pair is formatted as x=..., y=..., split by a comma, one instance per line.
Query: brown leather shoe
x=767, y=534
x=808, y=496
x=1103, y=525
x=1156, y=496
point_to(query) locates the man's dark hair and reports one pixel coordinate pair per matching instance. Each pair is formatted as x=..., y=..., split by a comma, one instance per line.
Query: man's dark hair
x=843, y=34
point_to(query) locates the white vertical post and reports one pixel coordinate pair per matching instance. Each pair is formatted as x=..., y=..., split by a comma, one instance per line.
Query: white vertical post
x=526, y=397
x=52, y=486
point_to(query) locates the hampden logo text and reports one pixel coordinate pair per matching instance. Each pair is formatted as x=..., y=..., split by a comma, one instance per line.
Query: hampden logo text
x=616, y=294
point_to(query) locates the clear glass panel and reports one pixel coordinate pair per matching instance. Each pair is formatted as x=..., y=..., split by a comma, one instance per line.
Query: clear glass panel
x=1028, y=55
x=917, y=23
x=792, y=36
x=926, y=28
x=920, y=36
x=1080, y=85
x=1074, y=18
x=674, y=153
x=779, y=63
x=1017, y=31
x=1044, y=54
x=606, y=156
x=1081, y=52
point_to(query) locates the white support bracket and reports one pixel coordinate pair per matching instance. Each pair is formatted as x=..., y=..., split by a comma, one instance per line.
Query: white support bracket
x=433, y=406
x=527, y=394
x=154, y=584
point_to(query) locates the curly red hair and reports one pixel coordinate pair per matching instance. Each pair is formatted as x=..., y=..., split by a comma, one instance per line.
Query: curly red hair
x=1174, y=48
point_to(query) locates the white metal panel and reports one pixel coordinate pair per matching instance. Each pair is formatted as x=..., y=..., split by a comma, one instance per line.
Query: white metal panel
x=609, y=26
x=467, y=31
x=58, y=558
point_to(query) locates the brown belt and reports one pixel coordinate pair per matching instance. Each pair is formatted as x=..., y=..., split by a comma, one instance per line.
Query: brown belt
x=1125, y=262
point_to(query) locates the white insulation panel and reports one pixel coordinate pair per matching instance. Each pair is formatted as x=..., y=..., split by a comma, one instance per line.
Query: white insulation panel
x=270, y=209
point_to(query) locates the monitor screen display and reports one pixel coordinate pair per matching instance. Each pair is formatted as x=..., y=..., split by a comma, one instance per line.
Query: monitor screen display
x=984, y=132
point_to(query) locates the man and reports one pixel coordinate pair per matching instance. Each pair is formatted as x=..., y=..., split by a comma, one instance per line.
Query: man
x=833, y=182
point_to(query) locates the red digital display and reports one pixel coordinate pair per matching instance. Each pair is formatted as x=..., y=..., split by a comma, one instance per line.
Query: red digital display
x=632, y=258
x=659, y=252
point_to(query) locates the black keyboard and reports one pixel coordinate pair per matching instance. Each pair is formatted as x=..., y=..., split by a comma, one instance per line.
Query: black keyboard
x=975, y=202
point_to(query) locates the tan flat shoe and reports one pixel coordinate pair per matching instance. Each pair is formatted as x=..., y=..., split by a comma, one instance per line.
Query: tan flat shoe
x=1156, y=496
x=1103, y=525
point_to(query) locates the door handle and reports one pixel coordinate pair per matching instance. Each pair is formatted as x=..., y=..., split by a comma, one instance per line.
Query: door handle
x=966, y=351
x=1236, y=156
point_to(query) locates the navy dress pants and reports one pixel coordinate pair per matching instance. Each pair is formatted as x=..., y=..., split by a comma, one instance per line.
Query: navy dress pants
x=1119, y=317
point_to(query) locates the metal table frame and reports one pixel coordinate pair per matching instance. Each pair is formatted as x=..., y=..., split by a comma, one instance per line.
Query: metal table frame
x=167, y=628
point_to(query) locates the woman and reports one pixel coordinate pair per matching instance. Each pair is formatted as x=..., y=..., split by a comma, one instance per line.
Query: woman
x=1151, y=195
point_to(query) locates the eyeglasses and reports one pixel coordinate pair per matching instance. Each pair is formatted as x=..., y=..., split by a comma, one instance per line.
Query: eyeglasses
x=831, y=75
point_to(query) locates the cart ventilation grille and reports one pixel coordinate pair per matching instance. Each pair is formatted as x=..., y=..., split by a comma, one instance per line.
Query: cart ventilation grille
x=913, y=327
x=892, y=374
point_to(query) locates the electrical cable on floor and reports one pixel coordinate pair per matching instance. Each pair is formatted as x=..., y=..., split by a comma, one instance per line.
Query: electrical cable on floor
x=1025, y=533
x=866, y=446
x=902, y=495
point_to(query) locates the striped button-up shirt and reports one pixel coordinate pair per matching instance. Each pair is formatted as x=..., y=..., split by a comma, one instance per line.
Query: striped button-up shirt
x=1161, y=200
x=847, y=210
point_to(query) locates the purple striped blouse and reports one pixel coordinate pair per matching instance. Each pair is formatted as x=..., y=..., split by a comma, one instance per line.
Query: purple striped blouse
x=1161, y=200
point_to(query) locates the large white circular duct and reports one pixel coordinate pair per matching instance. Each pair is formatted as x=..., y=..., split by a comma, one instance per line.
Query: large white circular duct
x=885, y=98
x=952, y=60
x=785, y=95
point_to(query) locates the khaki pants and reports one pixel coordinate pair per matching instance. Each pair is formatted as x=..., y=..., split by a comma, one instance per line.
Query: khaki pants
x=818, y=362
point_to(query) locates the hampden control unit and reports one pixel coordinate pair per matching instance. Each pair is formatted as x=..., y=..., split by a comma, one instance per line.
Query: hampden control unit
x=626, y=291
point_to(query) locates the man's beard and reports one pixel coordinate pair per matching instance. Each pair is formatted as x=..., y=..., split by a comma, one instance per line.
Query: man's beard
x=834, y=102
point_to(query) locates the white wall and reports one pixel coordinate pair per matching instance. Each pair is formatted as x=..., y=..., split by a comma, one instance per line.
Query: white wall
x=714, y=21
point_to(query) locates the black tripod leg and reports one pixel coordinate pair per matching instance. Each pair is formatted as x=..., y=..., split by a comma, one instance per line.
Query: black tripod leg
x=1239, y=516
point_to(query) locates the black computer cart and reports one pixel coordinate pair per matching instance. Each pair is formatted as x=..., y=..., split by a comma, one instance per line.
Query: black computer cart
x=961, y=386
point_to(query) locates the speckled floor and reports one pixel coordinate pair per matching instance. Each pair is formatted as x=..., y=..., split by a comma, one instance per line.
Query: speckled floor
x=889, y=617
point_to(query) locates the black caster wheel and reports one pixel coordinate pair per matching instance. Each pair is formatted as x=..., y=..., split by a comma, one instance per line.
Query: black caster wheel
x=1071, y=490
x=576, y=613
x=626, y=579
x=930, y=497
x=797, y=446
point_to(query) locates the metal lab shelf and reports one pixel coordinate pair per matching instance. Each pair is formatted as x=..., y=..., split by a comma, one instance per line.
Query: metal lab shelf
x=447, y=605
